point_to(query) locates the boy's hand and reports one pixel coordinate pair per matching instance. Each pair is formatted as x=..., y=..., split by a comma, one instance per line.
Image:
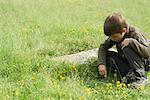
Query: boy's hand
x=102, y=70
x=125, y=42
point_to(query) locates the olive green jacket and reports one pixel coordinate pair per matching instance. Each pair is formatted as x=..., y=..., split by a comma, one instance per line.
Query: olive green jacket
x=137, y=42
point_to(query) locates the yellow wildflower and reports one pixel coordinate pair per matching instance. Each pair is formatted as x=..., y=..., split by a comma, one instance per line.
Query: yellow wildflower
x=125, y=95
x=119, y=85
x=62, y=78
x=33, y=78
x=74, y=68
x=141, y=88
x=118, y=82
x=87, y=91
x=124, y=85
x=22, y=82
x=80, y=98
x=110, y=87
x=49, y=98
x=17, y=93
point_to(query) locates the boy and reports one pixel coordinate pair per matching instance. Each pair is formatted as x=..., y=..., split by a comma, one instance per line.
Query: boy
x=132, y=48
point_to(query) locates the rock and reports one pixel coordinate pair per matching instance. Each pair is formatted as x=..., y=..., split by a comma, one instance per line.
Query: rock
x=79, y=58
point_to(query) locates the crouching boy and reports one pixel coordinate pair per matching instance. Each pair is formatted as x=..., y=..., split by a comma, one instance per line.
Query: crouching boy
x=132, y=51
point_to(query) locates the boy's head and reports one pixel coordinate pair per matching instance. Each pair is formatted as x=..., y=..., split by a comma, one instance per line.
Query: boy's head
x=115, y=26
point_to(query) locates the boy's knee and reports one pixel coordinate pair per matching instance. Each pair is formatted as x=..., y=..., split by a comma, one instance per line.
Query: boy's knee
x=127, y=50
x=131, y=55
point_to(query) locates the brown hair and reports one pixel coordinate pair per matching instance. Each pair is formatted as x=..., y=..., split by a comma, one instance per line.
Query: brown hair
x=114, y=24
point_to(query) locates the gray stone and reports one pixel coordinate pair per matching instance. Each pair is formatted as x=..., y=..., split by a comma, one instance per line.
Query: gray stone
x=79, y=58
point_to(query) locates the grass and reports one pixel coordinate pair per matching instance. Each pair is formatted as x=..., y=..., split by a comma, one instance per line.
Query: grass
x=33, y=31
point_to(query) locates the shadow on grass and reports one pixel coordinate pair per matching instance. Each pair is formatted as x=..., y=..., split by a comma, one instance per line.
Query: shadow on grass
x=89, y=74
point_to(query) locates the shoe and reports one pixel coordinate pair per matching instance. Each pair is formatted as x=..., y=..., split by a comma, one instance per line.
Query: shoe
x=129, y=77
x=139, y=83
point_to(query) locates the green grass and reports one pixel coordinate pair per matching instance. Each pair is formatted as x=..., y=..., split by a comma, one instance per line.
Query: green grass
x=33, y=31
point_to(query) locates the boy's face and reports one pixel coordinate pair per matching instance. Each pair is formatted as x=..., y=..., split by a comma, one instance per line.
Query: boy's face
x=117, y=37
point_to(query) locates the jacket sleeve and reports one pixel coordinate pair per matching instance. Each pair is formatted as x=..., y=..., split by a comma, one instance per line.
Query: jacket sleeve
x=139, y=44
x=141, y=47
x=102, y=52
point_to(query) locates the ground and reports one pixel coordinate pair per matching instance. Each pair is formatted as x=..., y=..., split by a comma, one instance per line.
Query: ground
x=34, y=31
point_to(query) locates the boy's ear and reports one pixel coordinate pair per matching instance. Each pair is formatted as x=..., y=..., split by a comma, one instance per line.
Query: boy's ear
x=124, y=30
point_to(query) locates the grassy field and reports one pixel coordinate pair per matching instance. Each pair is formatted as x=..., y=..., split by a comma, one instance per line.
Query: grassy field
x=33, y=31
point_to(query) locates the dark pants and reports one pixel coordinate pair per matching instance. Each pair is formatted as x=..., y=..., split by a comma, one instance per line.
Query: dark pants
x=130, y=64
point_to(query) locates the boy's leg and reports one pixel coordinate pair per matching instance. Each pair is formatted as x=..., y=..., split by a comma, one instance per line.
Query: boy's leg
x=137, y=71
x=135, y=62
x=115, y=61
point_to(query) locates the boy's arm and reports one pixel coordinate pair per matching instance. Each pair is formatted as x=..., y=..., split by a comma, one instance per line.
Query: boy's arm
x=138, y=42
x=103, y=51
x=140, y=46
